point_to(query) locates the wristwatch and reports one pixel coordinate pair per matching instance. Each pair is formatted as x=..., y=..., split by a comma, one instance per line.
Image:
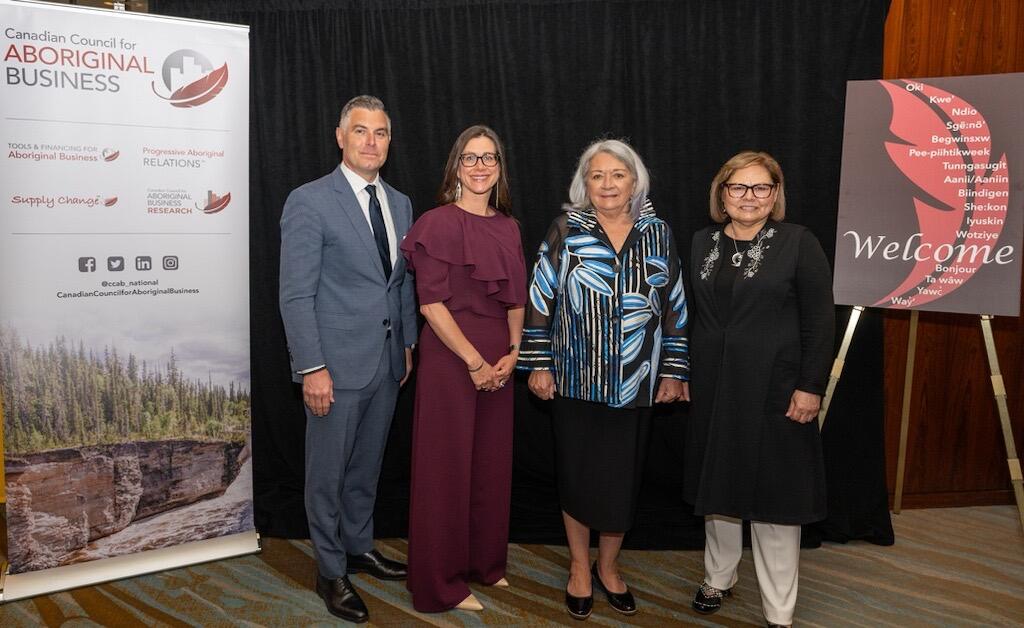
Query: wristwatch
x=512, y=348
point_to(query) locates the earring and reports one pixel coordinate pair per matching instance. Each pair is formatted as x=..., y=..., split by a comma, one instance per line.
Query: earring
x=458, y=189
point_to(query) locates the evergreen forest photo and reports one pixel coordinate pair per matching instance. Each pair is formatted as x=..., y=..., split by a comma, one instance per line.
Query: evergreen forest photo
x=63, y=395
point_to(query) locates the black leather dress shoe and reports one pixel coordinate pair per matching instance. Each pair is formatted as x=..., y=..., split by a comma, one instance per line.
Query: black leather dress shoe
x=709, y=599
x=622, y=602
x=342, y=599
x=579, y=607
x=376, y=565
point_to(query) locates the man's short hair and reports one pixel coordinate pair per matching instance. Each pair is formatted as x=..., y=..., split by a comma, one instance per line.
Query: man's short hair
x=363, y=101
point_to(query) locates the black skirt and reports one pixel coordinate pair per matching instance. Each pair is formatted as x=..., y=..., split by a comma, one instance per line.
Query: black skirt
x=599, y=455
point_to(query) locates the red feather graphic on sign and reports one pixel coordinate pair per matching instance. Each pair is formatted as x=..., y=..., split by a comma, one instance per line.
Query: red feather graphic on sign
x=200, y=91
x=953, y=240
x=215, y=203
x=110, y=202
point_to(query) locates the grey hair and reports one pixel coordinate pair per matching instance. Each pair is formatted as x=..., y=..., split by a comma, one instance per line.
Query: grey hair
x=364, y=101
x=622, y=151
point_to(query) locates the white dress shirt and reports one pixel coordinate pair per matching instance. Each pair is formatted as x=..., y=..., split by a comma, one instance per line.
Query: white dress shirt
x=363, y=196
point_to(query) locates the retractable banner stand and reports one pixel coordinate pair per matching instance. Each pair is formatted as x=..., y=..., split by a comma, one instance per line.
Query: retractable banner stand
x=124, y=294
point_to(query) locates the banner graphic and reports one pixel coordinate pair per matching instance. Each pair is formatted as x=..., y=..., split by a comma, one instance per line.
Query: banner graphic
x=124, y=287
x=931, y=214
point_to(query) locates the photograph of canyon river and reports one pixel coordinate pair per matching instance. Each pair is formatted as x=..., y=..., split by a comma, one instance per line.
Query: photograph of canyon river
x=229, y=513
x=107, y=454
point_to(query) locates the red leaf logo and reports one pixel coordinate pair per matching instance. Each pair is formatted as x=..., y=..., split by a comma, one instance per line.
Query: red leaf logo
x=200, y=91
x=110, y=154
x=110, y=202
x=950, y=186
x=215, y=203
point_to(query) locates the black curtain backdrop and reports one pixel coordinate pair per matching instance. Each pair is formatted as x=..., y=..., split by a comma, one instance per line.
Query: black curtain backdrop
x=688, y=83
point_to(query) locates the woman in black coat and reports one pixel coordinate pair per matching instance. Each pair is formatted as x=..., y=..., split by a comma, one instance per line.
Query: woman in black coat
x=761, y=343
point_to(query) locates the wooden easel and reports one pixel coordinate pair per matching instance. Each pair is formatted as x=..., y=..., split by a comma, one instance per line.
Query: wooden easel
x=998, y=390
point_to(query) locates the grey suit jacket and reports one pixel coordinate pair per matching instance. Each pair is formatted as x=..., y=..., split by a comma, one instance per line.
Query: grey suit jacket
x=337, y=306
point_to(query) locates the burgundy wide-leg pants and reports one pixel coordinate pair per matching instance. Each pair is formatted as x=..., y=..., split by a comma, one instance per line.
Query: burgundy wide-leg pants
x=461, y=470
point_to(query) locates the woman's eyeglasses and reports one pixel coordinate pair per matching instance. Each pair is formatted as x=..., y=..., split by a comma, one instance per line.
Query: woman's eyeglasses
x=739, y=190
x=469, y=159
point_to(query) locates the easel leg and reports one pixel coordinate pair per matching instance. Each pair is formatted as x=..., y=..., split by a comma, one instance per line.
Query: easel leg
x=908, y=380
x=839, y=363
x=999, y=390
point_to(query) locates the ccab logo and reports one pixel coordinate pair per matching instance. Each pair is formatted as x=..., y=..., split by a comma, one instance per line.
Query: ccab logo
x=214, y=202
x=190, y=79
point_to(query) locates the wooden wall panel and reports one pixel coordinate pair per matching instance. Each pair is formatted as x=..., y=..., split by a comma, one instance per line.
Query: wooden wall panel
x=956, y=455
x=953, y=37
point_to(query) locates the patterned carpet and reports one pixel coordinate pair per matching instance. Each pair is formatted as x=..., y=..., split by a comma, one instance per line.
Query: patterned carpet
x=950, y=567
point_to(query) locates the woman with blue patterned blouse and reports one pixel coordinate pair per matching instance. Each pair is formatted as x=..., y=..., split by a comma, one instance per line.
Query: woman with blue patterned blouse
x=605, y=337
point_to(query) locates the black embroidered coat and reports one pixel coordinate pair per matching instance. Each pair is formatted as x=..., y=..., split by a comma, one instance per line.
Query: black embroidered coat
x=744, y=457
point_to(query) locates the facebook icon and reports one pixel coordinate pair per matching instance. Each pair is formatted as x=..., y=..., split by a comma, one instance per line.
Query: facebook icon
x=86, y=264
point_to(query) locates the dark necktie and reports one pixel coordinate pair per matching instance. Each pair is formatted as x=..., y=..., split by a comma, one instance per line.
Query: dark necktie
x=380, y=234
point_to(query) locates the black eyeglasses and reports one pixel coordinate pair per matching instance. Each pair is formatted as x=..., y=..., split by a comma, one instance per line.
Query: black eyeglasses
x=739, y=190
x=469, y=159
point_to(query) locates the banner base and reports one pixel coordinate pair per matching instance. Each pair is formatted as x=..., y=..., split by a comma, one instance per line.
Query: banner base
x=25, y=585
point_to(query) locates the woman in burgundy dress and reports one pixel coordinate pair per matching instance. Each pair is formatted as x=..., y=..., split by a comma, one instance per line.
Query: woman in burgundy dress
x=471, y=281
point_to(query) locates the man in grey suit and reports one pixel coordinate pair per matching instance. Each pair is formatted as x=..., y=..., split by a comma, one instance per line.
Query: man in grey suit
x=349, y=313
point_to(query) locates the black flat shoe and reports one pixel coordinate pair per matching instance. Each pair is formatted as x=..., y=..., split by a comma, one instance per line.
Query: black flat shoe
x=342, y=599
x=374, y=564
x=709, y=599
x=579, y=607
x=622, y=602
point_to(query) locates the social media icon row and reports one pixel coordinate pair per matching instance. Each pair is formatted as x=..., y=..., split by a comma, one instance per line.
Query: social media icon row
x=116, y=263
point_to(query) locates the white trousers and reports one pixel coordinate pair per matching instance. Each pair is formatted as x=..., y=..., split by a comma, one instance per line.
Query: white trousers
x=776, y=550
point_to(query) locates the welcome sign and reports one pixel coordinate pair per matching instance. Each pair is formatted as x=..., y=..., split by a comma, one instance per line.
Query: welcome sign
x=931, y=212
x=124, y=292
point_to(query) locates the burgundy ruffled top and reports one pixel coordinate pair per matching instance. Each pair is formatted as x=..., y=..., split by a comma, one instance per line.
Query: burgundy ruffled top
x=467, y=261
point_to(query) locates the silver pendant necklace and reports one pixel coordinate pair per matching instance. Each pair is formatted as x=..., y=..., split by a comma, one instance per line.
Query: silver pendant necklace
x=737, y=257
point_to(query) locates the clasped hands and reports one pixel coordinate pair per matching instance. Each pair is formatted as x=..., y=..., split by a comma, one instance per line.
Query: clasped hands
x=490, y=378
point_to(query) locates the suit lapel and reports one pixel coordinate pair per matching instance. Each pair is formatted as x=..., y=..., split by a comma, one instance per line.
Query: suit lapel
x=350, y=208
x=401, y=221
x=397, y=217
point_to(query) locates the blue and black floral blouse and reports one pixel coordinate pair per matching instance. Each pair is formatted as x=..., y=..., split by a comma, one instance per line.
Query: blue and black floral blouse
x=607, y=325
